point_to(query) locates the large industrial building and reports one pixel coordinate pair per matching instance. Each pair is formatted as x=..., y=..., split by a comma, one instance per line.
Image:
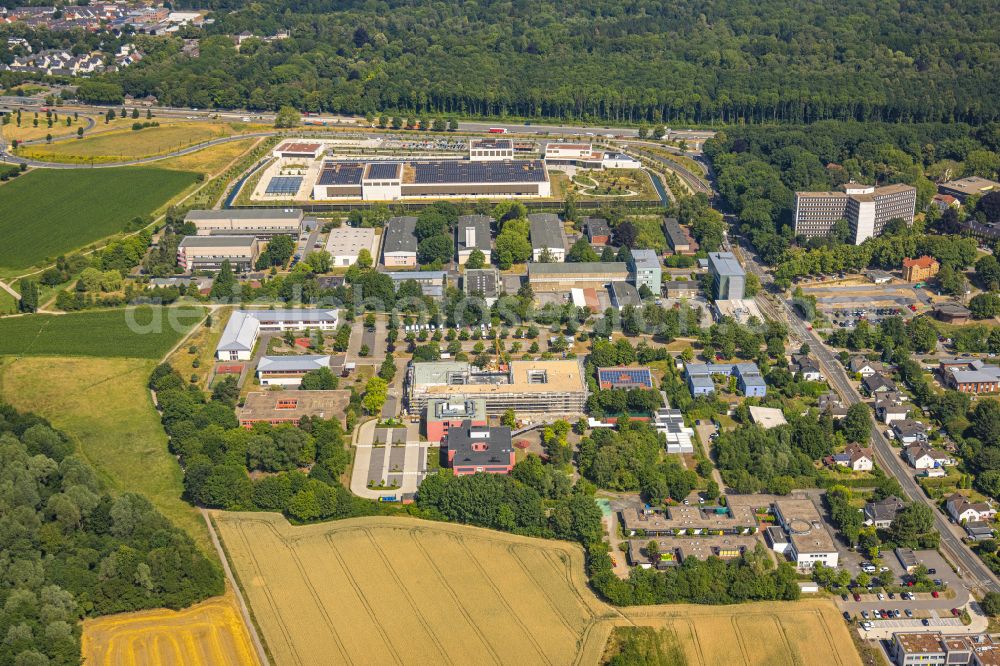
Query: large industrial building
x=207, y=253
x=414, y=179
x=585, y=156
x=528, y=387
x=262, y=223
x=867, y=210
x=963, y=188
x=564, y=277
x=728, y=277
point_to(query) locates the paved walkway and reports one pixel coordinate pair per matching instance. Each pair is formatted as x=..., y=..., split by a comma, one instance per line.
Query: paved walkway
x=6, y=287
x=410, y=463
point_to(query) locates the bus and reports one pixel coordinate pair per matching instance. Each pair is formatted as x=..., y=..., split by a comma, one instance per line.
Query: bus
x=497, y=130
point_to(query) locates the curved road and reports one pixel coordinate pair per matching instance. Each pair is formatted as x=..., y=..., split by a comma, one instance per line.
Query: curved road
x=9, y=157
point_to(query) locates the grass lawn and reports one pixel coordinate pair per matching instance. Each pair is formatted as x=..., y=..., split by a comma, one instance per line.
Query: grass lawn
x=205, y=339
x=45, y=213
x=104, y=406
x=28, y=132
x=145, y=332
x=208, y=160
x=127, y=143
x=8, y=304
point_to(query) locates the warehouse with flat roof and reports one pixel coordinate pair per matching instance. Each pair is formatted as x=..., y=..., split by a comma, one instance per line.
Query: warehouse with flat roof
x=410, y=179
x=207, y=253
x=345, y=243
x=260, y=222
x=564, y=277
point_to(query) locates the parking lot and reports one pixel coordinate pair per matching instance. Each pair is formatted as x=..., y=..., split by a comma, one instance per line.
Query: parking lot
x=848, y=301
x=393, y=460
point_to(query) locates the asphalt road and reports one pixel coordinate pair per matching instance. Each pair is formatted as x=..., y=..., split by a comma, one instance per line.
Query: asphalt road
x=974, y=571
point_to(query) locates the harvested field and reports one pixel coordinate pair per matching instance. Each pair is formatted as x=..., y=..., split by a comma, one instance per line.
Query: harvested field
x=400, y=590
x=207, y=634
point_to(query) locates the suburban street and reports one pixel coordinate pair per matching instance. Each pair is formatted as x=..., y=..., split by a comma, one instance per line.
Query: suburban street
x=970, y=566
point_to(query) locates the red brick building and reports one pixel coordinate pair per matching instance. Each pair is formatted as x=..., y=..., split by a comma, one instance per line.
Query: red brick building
x=473, y=449
x=443, y=415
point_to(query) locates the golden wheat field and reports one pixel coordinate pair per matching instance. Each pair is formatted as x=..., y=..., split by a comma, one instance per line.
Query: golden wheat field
x=207, y=634
x=406, y=591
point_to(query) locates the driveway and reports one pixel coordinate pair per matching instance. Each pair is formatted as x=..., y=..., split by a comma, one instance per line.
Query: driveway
x=404, y=466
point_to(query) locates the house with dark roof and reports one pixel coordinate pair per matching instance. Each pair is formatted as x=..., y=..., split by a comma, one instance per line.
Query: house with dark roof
x=952, y=313
x=598, y=230
x=807, y=368
x=962, y=510
x=909, y=431
x=482, y=281
x=889, y=411
x=622, y=294
x=477, y=448
x=875, y=384
x=880, y=514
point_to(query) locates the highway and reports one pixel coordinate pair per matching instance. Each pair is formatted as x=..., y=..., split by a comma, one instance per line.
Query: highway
x=973, y=570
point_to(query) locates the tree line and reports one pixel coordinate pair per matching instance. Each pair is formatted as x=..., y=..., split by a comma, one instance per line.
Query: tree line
x=72, y=550
x=639, y=61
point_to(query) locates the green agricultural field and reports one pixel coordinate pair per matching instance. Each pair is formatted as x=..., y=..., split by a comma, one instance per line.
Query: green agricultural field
x=47, y=212
x=141, y=332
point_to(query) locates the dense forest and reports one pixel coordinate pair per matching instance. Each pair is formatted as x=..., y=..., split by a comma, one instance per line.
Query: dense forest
x=700, y=61
x=70, y=550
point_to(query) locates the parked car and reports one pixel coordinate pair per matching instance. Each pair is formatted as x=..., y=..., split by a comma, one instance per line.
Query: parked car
x=881, y=596
x=892, y=596
x=844, y=597
x=857, y=597
x=956, y=612
x=932, y=571
x=925, y=622
x=909, y=613
x=935, y=594
x=847, y=616
x=864, y=614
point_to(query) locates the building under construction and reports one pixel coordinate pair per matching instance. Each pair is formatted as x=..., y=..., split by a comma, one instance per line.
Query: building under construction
x=527, y=387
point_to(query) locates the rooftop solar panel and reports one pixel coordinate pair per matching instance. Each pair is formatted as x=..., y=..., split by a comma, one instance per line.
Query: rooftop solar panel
x=341, y=173
x=456, y=171
x=284, y=185
x=379, y=171
x=625, y=377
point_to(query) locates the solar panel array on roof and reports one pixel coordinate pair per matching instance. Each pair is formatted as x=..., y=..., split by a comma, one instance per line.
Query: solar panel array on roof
x=455, y=171
x=625, y=378
x=284, y=185
x=341, y=173
x=380, y=171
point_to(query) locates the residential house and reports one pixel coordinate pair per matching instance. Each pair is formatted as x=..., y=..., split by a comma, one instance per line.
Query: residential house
x=979, y=530
x=860, y=365
x=856, y=458
x=909, y=431
x=876, y=384
x=806, y=368
x=963, y=511
x=889, y=412
x=921, y=456
x=880, y=514
x=831, y=402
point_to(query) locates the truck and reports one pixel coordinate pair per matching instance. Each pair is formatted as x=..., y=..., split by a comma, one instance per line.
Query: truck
x=497, y=130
